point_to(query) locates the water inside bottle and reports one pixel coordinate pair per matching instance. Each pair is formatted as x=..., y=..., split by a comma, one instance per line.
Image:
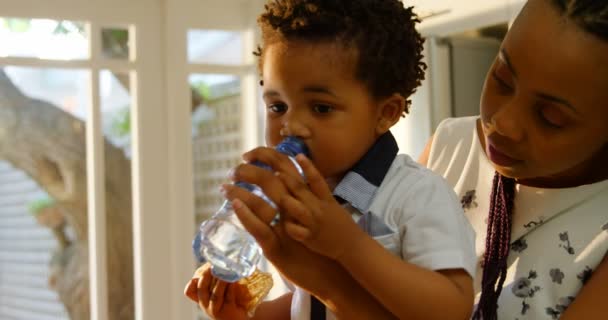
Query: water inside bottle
x=232, y=251
x=222, y=240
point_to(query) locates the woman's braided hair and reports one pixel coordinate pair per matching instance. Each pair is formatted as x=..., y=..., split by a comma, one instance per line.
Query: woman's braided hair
x=591, y=16
x=389, y=48
x=498, y=241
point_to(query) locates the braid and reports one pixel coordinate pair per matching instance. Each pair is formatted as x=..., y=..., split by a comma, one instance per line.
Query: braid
x=591, y=15
x=498, y=240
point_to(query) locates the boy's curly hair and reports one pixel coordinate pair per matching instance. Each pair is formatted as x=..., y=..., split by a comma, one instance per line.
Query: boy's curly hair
x=382, y=31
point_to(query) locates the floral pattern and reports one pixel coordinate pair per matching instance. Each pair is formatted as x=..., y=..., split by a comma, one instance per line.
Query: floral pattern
x=559, y=308
x=519, y=245
x=585, y=274
x=524, y=288
x=534, y=224
x=563, y=237
x=468, y=200
x=556, y=275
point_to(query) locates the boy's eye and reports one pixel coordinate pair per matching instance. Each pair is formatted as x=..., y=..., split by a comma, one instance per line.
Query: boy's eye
x=323, y=108
x=278, y=107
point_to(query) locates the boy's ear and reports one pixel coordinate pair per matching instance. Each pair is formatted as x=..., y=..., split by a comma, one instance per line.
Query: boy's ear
x=390, y=112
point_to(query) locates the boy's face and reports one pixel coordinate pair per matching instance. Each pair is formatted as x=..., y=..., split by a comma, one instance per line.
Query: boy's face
x=545, y=101
x=310, y=91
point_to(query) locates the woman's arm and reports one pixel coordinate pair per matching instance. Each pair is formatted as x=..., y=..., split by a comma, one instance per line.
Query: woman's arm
x=424, y=156
x=590, y=303
x=279, y=308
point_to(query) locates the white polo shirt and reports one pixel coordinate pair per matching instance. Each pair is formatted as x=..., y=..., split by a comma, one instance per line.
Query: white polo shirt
x=407, y=208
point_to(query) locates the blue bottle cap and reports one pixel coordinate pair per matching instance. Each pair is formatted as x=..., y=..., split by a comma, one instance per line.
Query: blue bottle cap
x=293, y=146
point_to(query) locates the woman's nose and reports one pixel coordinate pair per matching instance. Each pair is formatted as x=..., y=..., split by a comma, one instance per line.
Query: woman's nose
x=508, y=122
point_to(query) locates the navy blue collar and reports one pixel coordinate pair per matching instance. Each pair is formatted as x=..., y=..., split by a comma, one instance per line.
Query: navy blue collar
x=359, y=185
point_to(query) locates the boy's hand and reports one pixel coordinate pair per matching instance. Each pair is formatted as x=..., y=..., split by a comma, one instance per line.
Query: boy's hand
x=217, y=298
x=315, y=218
x=295, y=262
x=309, y=215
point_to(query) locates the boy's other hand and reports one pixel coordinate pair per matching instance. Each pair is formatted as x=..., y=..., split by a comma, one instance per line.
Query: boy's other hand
x=217, y=298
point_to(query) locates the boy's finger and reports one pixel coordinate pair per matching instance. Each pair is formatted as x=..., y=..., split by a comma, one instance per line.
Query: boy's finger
x=203, y=289
x=294, y=209
x=230, y=296
x=216, y=300
x=190, y=289
x=296, y=231
x=261, y=231
x=271, y=157
x=315, y=180
x=257, y=205
x=265, y=179
x=296, y=186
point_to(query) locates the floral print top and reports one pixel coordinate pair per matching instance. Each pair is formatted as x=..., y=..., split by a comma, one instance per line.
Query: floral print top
x=558, y=238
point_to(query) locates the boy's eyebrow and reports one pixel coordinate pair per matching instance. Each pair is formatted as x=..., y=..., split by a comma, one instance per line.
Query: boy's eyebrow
x=319, y=89
x=541, y=95
x=270, y=94
x=312, y=88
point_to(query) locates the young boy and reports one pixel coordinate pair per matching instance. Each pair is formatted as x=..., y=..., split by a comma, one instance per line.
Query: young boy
x=367, y=233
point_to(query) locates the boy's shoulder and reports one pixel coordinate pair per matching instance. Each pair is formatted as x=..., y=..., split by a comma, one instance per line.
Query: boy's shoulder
x=407, y=178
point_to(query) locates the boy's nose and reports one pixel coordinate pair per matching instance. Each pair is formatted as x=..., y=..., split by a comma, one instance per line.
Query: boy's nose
x=295, y=128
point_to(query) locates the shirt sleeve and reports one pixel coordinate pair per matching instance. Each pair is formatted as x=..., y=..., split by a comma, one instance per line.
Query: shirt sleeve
x=434, y=231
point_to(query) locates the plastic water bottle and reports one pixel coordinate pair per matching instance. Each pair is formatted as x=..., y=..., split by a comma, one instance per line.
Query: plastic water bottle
x=222, y=240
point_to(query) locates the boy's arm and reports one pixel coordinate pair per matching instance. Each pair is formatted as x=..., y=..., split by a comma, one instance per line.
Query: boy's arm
x=322, y=277
x=409, y=291
x=404, y=288
x=347, y=299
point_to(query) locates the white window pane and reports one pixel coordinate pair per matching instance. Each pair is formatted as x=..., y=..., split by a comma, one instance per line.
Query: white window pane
x=216, y=137
x=115, y=43
x=43, y=39
x=43, y=213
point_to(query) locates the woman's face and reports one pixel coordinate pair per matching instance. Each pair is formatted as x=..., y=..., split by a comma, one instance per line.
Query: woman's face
x=544, y=106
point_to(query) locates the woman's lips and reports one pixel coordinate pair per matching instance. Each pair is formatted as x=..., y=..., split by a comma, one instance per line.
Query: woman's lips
x=500, y=158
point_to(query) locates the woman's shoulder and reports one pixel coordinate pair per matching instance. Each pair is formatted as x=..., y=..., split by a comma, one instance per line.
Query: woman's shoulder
x=454, y=141
x=452, y=131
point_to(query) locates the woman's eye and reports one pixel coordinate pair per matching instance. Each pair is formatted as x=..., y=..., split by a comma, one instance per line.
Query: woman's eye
x=500, y=74
x=322, y=108
x=501, y=82
x=278, y=107
x=552, y=117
